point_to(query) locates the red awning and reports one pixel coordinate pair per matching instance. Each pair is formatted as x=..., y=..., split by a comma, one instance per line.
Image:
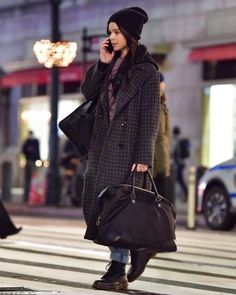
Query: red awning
x=222, y=52
x=71, y=73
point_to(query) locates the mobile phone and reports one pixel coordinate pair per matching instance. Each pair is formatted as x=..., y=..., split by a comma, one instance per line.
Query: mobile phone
x=109, y=47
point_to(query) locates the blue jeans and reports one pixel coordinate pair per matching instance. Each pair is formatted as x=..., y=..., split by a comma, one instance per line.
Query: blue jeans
x=119, y=254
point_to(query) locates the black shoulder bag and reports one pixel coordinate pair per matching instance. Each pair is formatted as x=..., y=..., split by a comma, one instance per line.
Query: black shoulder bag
x=78, y=126
x=132, y=217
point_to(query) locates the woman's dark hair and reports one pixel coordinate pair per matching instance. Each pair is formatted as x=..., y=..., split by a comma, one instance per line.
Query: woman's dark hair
x=125, y=68
x=131, y=42
x=163, y=97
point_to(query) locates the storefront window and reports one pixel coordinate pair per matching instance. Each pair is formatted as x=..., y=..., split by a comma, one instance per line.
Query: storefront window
x=219, y=124
x=35, y=115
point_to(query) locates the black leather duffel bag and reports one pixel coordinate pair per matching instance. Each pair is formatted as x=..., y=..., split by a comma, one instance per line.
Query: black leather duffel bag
x=132, y=217
x=78, y=126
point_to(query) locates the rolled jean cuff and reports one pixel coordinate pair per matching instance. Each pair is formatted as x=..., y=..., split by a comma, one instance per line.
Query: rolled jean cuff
x=119, y=254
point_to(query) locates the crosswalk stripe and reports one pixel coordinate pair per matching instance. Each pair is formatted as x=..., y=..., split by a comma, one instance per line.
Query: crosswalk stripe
x=79, y=269
x=59, y=256
x=70, y=283
x=82, y=255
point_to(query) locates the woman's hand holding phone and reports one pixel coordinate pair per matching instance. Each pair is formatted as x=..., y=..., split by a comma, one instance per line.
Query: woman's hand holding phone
x=105, y=55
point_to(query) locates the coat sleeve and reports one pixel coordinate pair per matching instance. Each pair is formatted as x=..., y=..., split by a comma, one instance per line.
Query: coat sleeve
x=149, y=113
x=91, y=86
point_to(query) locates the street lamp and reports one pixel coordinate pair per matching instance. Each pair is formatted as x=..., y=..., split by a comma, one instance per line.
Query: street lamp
x=59, y=54
x=54, y=54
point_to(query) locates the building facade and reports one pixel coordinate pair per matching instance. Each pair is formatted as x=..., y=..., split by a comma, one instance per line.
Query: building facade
x=192, y=40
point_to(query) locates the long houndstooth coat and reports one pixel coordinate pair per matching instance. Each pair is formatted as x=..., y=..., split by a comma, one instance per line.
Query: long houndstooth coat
x=128, y=139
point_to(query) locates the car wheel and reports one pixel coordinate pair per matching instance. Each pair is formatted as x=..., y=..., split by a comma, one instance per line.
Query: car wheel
x=216, y=209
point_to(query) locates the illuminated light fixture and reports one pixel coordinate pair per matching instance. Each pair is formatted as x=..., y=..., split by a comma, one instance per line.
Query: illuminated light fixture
x=37, y=115
x=59, y=54
x=38, y=163
x=46, y=164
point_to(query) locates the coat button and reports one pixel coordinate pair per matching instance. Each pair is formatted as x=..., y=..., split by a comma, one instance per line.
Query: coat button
x=120, y=145
x=123, y=123
x=100, y=116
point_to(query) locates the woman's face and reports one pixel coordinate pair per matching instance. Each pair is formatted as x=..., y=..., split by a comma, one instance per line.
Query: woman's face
x=118, y=40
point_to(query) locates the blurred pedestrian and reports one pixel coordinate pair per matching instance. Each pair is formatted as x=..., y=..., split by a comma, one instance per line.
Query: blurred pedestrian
x=7, y=227
x=180, y=151
x=72, y=173
x=126, y=82
x=30, y=150
x=161, y=165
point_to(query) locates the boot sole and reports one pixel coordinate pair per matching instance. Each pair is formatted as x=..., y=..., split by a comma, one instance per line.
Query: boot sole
x=112, y=286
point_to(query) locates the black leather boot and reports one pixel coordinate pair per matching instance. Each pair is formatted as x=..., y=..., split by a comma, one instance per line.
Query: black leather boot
x=139, y=260
x=114, y=279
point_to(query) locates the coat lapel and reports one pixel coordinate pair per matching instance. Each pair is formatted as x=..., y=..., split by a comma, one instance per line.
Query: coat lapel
x=127, y=91
x=104, y=99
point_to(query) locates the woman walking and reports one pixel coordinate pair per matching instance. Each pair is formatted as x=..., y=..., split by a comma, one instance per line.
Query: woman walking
x=126, y=82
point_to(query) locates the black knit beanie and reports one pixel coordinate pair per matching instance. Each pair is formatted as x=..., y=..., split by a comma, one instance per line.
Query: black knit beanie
x=131, y=19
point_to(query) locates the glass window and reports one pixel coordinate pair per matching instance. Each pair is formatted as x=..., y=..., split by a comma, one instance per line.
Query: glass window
x=224, y=69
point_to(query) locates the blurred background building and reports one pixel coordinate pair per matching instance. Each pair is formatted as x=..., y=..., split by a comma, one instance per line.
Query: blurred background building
x=193, y=41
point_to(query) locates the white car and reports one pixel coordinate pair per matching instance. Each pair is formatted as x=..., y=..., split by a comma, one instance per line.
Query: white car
x=216, y=197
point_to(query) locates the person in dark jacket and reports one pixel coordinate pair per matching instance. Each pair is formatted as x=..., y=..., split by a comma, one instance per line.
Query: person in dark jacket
x=30, y=150
x=179, y=161
x=126, y=82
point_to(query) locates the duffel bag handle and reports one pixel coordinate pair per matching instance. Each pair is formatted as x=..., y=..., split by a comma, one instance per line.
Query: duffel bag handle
x=159, y=197
x=132, y=174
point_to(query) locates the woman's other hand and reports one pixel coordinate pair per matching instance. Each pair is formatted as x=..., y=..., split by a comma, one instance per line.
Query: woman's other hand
x=140, y=167
x=105, y=55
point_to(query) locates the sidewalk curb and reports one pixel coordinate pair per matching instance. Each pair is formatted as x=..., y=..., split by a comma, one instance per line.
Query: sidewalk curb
x=77, y=213
x=44, y=211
